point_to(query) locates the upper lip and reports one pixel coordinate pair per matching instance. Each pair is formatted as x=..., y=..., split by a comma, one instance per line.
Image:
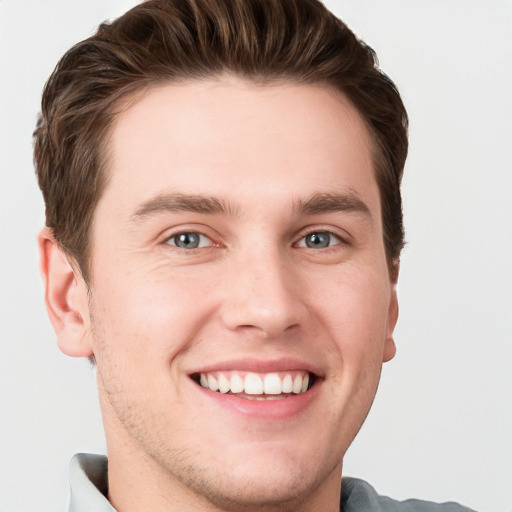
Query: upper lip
x=259, y=366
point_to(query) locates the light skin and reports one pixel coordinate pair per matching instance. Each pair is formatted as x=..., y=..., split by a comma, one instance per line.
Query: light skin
x=240, y=231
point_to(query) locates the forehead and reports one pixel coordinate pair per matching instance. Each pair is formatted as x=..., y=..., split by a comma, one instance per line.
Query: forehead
x=239, y=140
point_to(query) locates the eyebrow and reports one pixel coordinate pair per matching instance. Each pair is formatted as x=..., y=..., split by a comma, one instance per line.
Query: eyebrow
x=332, y=203
x=183, y=203
x=316, y=204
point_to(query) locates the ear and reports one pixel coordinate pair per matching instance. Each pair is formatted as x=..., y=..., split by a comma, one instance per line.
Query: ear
x=66, y=298
x=389, y=344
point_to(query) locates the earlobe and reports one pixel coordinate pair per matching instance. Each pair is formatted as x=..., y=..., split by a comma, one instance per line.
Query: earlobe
x=389, y=345
x=65, y=297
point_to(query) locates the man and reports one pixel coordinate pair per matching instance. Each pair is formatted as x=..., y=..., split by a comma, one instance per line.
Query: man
x=224, y=226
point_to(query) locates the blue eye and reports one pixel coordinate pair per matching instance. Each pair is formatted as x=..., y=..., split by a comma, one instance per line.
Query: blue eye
x=319, y=240
x=189, y=240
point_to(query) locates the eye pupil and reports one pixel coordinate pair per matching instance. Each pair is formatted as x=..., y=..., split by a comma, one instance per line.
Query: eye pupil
x=318, y=240
x=187, y=240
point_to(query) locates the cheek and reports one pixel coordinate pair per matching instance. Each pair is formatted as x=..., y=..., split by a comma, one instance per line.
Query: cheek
x=147, y=319
x=353, y=298
x=354, y=310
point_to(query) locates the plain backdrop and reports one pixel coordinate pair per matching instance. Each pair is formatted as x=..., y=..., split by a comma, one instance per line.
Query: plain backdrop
x=441, y=426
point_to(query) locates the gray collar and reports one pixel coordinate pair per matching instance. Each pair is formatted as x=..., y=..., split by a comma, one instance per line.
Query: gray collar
x=89, y=488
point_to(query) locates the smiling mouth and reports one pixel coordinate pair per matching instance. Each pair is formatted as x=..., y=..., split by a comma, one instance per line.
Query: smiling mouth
x=257, y=386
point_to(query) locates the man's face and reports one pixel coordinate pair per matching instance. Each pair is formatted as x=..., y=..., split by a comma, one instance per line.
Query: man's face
x=238, y=243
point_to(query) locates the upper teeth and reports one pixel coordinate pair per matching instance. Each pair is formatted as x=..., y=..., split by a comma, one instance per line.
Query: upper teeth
x=256, y=383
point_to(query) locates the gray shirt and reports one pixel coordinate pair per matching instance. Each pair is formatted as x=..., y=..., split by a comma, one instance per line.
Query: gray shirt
x=89, y=487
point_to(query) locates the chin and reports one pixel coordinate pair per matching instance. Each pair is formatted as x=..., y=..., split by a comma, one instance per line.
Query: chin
x=256, y=490
x=263, y=479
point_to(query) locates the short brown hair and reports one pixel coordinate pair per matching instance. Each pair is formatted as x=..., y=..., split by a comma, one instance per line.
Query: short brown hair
x=169, y=40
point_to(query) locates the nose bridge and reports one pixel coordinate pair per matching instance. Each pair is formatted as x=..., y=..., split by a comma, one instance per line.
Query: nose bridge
x=263, y=293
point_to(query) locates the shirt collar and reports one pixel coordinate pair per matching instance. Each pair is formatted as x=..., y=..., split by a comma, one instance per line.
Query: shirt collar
x=89, y=484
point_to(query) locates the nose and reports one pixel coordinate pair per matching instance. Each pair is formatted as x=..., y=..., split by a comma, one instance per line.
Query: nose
x=263, y=294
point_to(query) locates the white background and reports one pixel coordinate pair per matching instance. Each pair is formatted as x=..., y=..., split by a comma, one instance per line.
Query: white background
x=441, y=427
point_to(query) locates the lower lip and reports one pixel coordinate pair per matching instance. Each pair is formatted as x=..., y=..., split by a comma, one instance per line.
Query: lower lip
x=280, y=409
